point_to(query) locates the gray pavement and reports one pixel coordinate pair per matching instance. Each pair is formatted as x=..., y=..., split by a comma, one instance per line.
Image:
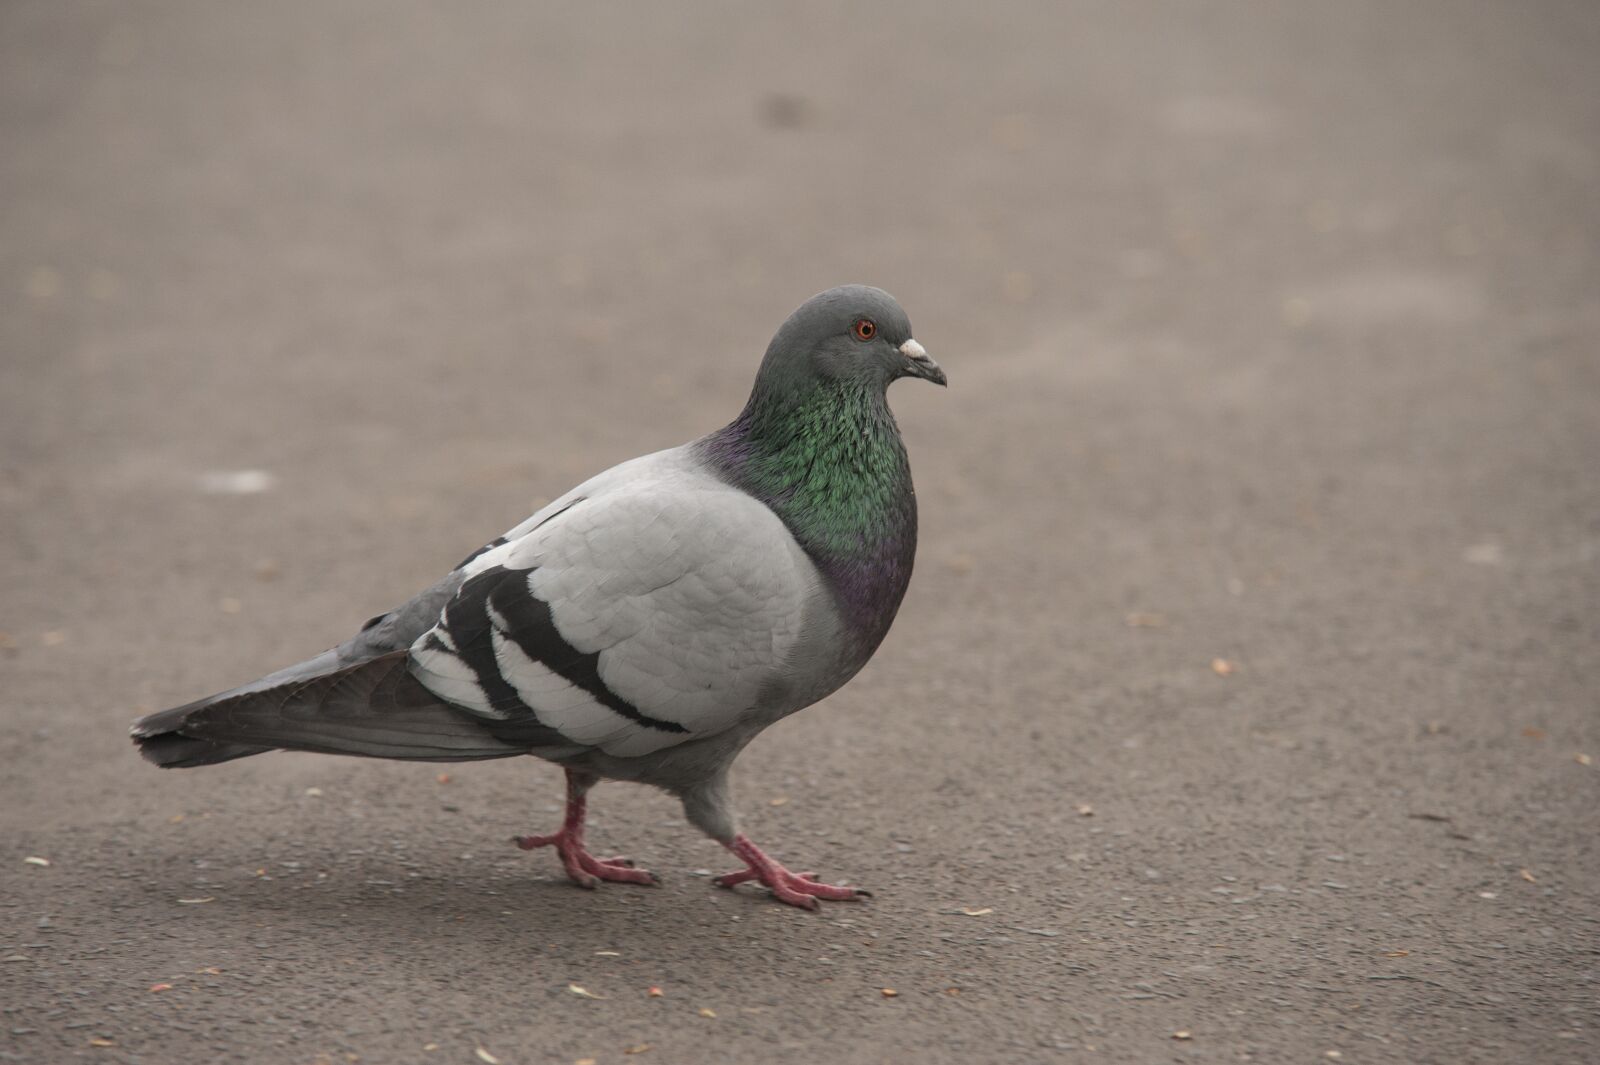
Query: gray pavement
x=1244, y=702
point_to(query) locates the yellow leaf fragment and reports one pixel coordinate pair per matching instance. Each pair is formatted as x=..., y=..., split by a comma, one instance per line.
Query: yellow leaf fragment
x=1582, y=759
x=1183, y=1034
x=1528, y=876
x=97, y=1041
x=486, y=1057
x=704, y=1012
x=34, y=859
x=978, y=913
x=197, y=902
x=584, y=992
x=608, y=953
x=1397, y=954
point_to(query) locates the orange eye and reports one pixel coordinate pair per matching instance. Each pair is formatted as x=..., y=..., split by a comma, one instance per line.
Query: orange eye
x=865, y=329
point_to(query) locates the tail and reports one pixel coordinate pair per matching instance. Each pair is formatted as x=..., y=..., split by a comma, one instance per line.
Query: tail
x=375, y=708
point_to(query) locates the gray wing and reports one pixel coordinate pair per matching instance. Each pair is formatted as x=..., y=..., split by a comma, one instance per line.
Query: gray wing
x=657, y=610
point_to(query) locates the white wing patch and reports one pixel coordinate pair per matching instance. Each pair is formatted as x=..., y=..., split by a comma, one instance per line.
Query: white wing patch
x=448, y=677
x=558, y=702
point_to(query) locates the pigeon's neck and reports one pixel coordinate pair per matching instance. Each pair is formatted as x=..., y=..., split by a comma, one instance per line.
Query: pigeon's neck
x=831, y=465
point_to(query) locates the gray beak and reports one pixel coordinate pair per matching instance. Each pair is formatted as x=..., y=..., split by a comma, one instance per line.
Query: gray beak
x=919, y=365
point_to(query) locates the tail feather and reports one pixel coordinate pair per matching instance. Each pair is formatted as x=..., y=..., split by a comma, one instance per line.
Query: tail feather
x=375, y=708
x=169, y=750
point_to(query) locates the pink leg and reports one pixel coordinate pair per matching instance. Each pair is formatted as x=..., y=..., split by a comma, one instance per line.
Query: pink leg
x=584, y=868
x=797, y=889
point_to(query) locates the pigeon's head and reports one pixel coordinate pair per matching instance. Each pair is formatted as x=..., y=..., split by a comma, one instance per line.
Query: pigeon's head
x=853, y=333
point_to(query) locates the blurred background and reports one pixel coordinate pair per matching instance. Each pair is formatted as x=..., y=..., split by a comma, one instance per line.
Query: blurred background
x=1243, y=705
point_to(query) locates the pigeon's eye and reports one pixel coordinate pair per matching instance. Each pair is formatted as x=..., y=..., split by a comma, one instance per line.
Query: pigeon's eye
x=865, y=329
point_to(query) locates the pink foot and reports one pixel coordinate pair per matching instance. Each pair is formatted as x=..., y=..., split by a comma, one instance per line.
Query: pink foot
x=584, y=868
x=797, y=889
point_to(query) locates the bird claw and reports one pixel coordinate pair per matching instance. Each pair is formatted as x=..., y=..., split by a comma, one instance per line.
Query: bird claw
x=797, y=889
x=583, y=868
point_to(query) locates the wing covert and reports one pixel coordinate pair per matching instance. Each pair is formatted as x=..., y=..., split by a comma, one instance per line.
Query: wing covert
x=629, y=622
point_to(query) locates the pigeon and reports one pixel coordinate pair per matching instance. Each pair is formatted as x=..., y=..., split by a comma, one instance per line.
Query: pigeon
x=646, y=625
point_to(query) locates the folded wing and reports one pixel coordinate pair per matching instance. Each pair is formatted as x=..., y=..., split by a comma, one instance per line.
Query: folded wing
x=631, y=621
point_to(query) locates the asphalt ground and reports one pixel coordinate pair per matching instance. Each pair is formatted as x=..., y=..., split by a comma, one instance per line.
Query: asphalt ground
x=1244, y=705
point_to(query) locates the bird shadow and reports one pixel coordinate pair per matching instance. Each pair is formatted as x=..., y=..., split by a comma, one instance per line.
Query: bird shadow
x=507, y=912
